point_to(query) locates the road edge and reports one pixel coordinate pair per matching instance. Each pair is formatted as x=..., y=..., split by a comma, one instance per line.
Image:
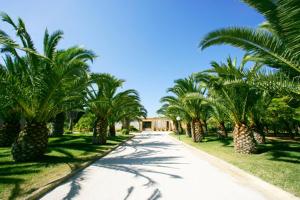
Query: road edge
x=52, y=185
x=269, y=190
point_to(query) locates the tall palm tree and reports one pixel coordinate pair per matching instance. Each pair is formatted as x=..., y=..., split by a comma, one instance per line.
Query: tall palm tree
x=229, y=83
x=50, y=80
x=104, y=100
x=275, y=43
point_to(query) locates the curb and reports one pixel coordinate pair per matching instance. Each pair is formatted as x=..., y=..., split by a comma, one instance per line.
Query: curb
x=52, y=185
x=266, y=189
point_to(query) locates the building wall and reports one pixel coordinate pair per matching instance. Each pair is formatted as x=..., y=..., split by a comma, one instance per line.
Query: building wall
x=135, y=124
x=158, y=124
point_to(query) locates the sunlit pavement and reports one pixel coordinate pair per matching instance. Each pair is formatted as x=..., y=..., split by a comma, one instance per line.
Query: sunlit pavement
x=155, y=166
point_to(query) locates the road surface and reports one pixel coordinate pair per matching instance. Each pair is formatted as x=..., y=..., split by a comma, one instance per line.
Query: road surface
x=156, y=166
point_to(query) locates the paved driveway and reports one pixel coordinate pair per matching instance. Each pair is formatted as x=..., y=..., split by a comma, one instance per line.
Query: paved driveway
x=155, y=166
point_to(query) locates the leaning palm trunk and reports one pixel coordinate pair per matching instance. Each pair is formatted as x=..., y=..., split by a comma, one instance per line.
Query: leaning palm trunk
x=258, y=134
x=8, y=133
x=222, y=131
x=198, y=133
x=112, y=130
x=58, y=125
x=243, y=139
x=189, y=129
x=259, y=137
x=31, y=143
x=100, y=135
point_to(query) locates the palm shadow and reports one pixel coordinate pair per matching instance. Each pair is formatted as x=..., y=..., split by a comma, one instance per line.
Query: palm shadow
x=142, y=156
x=15, y=182
x=285, y=151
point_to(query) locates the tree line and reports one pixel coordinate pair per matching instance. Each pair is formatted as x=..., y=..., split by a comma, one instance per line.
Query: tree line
x=38, y=88
x=252, y=98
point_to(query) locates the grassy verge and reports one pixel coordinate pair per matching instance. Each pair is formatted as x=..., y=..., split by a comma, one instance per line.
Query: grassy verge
x=65, y=154
x=277, y=161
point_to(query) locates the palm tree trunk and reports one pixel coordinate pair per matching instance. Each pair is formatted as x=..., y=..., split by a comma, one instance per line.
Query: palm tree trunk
x=259, y=137
x=58, y=124
x=180, y=128
x=100, y=135
x=205, y=127
x=198, y=133
x=126, y=126
x=267, y=129
x=275, y=129
x=222, y=131
x=243, y=139
x=176, y=126
x=258, y=133
x=8, y=133
x=189, y=129
x=71, y=125
x=31, y=143
x=112, y=130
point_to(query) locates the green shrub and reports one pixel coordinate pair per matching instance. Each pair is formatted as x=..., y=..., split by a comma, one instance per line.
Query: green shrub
x=133, y=129
x=125, y=131
x=85, y=123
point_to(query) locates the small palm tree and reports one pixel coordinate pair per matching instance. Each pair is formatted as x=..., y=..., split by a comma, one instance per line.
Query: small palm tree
x=104, y=101
x=218, y=113
x=170, y=112
x=191, y=110
x=133, y=111
x=276, y=43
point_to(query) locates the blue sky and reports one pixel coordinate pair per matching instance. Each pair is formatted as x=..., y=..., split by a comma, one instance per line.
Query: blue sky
x=149, y=43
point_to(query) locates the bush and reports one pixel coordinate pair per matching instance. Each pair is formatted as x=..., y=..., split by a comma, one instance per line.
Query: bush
x=125, y=131
x=133, y=129
x=85, y=123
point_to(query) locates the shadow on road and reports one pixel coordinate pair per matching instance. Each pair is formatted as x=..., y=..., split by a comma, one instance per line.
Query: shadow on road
x=142, y=154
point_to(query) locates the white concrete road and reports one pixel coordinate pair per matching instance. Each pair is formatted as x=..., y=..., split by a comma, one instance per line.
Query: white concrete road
x=155, y=166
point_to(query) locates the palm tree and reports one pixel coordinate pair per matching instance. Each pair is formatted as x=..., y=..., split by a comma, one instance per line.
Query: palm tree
x=9, y=112
x=134, y=111
x=104, y=100
x=191, y=110
x=218, y=113
x=258, y=115
x=58, y=124
x=50, y=80
x=229, y=83
x=170, y=112
x=180, y=89
x=275, y=43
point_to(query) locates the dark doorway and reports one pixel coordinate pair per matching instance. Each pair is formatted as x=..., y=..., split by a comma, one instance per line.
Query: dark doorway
x=168, y=126
x=146, y=125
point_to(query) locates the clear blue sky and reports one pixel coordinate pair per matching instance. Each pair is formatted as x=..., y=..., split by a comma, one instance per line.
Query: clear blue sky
x=149, y=43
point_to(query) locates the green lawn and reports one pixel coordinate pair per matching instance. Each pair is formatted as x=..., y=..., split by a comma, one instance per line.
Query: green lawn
x=65, y=154
x=277, y=161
